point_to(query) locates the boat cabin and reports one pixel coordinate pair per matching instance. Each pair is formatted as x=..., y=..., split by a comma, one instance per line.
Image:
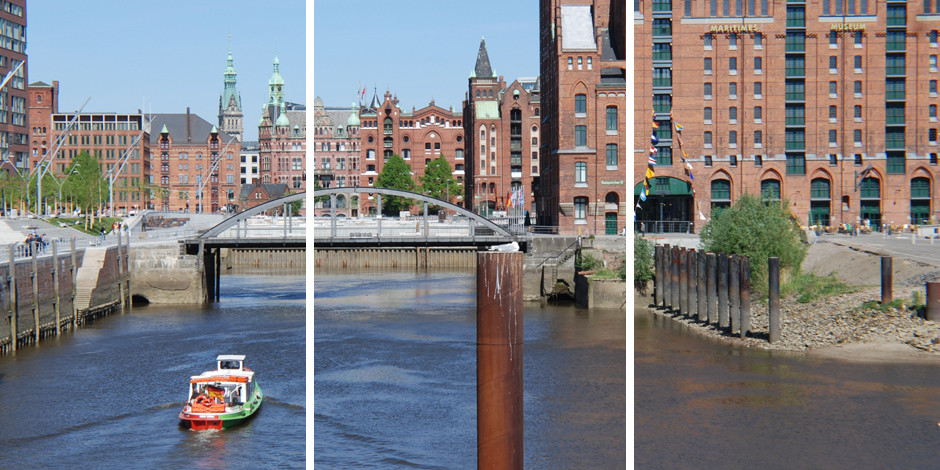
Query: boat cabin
x=231, y=362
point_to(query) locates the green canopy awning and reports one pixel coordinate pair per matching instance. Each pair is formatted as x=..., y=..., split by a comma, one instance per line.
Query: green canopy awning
x=665, y=186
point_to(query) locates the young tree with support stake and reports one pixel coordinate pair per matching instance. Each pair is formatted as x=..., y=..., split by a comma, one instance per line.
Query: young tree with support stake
x=86, y=185
x=396, y=174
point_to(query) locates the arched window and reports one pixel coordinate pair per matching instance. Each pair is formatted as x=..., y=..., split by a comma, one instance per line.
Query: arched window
x=770, y=189
x=920, y=200
x=580, y=105
x=720, y=194
x=819, y=202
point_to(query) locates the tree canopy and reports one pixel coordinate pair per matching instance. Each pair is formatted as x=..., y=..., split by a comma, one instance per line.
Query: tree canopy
x=396, y=174
x=87, y=186
x=759, y=229
x=438, y=180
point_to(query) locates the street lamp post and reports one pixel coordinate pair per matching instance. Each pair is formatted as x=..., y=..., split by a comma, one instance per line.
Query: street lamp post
x=74, y=167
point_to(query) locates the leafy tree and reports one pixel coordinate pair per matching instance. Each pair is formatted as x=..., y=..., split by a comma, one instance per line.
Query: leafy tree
x=12, y=188
x=319, y=199
x=643, y=251
x=396, y=174
x=87, y=186
x=757, y=229
x=439, y=181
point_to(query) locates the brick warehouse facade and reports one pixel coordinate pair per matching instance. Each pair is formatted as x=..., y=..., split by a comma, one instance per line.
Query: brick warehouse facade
x=282, y=138
x=190, y=155
x=106, y=136
x=830, y=105
x=14, y=129
x=583, y=164
x=501, y=131
x=418, y=137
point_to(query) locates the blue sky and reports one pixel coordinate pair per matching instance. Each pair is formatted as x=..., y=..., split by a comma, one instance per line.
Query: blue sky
x=419, y=49
x=164, y=56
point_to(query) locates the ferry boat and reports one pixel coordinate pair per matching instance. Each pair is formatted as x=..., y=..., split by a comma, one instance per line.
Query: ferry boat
x=222, y=398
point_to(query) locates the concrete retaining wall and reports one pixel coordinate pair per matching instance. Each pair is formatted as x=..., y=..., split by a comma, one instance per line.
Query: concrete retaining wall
x=264, y=261
x=599, y=293
x=160, y=274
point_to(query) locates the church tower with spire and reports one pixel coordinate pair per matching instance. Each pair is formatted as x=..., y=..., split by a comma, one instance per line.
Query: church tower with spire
x=230, y=103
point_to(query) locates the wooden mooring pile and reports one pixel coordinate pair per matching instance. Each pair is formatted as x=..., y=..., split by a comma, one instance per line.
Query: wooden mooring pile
x=43, y=292
x=712, y=288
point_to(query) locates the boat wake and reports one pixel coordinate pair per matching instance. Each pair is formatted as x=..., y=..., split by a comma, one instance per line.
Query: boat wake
x=91, y=424
x=269, y=400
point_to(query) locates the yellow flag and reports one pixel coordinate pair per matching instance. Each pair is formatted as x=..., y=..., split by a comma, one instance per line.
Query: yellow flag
x=650, y=173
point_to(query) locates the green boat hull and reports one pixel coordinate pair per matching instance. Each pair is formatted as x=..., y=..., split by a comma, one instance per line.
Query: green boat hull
x=201, y=422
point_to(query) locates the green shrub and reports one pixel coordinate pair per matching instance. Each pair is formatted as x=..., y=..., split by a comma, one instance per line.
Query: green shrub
x=643, y=269
x=758, y=229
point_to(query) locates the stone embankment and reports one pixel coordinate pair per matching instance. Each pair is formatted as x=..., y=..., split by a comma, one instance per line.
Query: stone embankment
x=842, y=320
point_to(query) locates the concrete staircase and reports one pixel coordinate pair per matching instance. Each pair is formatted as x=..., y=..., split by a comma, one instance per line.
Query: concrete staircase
x=86, y=279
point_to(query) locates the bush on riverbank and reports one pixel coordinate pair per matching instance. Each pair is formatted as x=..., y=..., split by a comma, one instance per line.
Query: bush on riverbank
x=588, y=262
x=759, y=229
x=643, y=253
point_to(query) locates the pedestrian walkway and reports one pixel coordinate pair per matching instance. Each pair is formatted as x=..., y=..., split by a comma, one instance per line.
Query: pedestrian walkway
x=901, y=245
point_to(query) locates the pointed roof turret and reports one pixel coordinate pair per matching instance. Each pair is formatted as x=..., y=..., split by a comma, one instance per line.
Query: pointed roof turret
x=230, y=93
x=483, y=68
x=164, y=130
x=276, y=85
x=376, y=104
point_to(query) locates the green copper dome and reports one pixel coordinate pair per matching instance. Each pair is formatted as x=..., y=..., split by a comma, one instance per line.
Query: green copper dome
x=353, y=120
x=282, y=118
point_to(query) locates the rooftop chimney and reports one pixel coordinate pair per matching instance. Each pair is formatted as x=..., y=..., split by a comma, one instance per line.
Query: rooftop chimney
x=189, y=137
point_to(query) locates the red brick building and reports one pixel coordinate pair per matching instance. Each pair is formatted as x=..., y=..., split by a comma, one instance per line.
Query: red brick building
x=501, y=130
x=252, y=195
x=831, y=105
x=282, y=138
x=418, y=137
x=194, y=162
x=109, y=137
x=582, y=177
x=14, y=130
x=337, y=150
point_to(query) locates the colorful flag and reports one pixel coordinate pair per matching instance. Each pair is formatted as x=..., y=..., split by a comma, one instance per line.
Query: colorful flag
x=688, y=165
x=655, y=124
x=653, y=139
x=653, y=161
x=643, y=195
x=650, y=173
x=678, y=127
x=508, y=199
x=363, y=92
x=653, y=150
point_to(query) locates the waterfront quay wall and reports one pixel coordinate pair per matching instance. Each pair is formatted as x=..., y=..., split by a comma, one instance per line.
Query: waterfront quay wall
x=408, y=258
x=548, y=264
x=162, y=274
x=268, y=261
x=44, y=296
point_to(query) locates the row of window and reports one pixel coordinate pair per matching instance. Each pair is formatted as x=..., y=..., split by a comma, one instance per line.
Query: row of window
x=581, y=62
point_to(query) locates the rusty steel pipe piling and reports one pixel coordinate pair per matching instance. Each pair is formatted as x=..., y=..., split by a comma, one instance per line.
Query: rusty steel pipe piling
x=499, y=360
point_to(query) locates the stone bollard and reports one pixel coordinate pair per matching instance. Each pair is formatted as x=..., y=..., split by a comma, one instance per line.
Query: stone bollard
x=933, y=301
x=722, y=290
x=700, y=295
x=887, y=281
x=734, y=292
x=711, y=271
x=773, y=298
x=745, y=296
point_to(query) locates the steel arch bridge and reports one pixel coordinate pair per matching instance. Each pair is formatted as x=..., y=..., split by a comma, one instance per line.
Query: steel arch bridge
x=475, y=230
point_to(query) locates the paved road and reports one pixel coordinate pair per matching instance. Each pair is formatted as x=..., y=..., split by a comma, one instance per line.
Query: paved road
x=15, y=231
x=894, y=245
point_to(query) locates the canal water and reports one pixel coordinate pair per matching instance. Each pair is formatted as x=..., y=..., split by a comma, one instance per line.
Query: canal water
x=702, y=404
x=395, y=376
x=109, y=394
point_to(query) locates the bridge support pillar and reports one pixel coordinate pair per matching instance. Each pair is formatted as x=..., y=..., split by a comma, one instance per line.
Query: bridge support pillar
x=499, y=360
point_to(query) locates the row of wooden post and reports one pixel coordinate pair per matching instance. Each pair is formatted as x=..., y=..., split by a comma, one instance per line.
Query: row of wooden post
x=13, y=305
x=712, y=288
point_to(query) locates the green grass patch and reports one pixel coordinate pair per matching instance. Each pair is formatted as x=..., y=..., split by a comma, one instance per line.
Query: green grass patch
x=100, y=222
x=809, y=287
x=915, y=303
